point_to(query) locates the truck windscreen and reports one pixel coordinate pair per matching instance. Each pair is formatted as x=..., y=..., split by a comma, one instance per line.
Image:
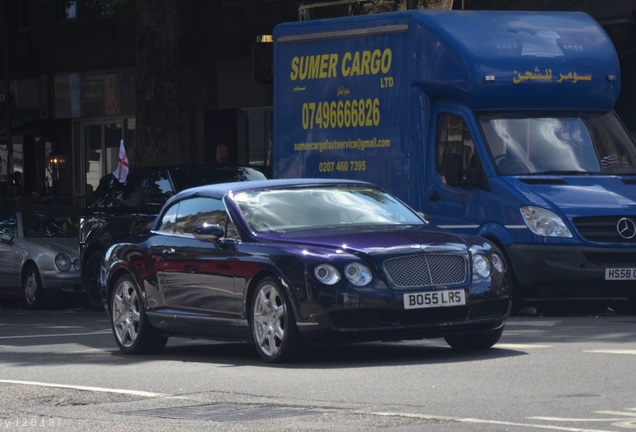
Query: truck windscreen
x=570, y=144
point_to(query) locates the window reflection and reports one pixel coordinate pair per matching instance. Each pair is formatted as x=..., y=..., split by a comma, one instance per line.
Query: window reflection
x=543, y=145
x=307, y=208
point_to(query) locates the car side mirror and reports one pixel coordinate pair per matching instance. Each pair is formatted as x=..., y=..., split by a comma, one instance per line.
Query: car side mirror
x=208, y=232
x=7, y=238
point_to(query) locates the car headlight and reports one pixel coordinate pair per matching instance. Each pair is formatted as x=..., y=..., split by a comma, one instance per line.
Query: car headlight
x=481, y=265
x=76, y=264
x=63, y=262
x=358, y=274
x=327, y=274
x=543, y=222
x=498, y=262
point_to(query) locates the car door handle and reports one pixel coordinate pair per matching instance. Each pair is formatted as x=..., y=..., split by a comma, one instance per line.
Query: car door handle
x=168, y=251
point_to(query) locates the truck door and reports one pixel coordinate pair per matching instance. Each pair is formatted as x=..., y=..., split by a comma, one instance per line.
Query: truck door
x=455, y=175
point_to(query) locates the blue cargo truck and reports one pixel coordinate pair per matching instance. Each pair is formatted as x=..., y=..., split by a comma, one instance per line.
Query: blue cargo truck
x=494, y=123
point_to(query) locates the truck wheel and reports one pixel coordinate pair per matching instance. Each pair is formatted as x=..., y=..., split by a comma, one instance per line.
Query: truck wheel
x=517, y=296
x=474, y=341
x=92, y=288
x=32, y=292
x=133, y=333
x=273, y=325
x=631, y=303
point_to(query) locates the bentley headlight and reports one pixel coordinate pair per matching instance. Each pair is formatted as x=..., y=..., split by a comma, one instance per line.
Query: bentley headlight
x=63, y=262
x=481, y=265
x=498, y=262
x=543, y=222
x=327, y=274
x=358, y=274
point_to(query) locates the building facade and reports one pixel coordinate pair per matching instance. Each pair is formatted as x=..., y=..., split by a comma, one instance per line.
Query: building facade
x=67, y=83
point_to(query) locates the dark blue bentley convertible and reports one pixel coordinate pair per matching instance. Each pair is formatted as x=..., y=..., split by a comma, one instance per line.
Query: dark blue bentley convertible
x=284, y=262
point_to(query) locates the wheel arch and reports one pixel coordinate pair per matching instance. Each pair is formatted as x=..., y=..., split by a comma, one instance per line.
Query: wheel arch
x=114, y=276
x=92, y=248
x=517, y=295
x=257, y=279
x=25, y=265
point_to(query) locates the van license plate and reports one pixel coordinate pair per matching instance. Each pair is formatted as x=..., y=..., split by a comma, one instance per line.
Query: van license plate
x=434, y=299
x=620, y=274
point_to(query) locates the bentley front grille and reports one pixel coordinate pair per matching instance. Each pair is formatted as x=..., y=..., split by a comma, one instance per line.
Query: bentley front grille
x=426, y=270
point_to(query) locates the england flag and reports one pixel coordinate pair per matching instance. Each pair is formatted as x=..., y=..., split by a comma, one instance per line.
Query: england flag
x=121, y=172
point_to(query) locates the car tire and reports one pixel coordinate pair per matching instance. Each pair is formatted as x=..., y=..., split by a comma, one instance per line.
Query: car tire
x=273, y=324
x=32, y=292
x=133, y=333
x=92, y=288
x=474, y=341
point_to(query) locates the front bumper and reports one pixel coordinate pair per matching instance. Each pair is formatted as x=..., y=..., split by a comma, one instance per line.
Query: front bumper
x=570, y=270
x=61, y=281
x=393, y=322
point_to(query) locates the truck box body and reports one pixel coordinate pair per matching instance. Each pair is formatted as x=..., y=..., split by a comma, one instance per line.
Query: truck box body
x=494, y=123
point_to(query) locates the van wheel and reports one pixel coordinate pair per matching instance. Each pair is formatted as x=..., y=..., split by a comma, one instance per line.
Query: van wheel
x=474, y=341
x=517, y=296
x=631, y=303
x=515, y=292
x=133, y=333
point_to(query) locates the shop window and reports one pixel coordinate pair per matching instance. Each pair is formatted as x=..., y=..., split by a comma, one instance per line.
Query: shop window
x=68, y=10
x=259, y=136
x=19, y=14
x=104, y=10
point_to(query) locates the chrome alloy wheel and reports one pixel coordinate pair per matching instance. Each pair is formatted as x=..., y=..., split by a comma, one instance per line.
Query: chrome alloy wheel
x=269, y=320
x=126, y=314
x=31, y=288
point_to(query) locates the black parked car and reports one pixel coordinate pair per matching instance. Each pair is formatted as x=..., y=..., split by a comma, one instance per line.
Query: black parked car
x=117, y=210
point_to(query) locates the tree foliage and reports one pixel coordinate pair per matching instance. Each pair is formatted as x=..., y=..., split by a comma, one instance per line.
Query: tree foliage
x=363, y=7
x=376, y=6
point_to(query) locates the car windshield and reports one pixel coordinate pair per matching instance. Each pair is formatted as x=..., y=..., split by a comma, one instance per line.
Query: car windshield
x=283, y=210
x=50, y=224
x=575, y=144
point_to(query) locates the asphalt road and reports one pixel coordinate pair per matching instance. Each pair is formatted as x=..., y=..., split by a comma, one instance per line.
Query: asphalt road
x=567, y=367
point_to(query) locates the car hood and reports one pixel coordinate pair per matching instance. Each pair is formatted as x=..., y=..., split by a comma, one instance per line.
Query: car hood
x=69, y=246
x=579, y=195
x=383, y=240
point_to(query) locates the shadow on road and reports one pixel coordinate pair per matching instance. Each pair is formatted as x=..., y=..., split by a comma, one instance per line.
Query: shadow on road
x=33, y=337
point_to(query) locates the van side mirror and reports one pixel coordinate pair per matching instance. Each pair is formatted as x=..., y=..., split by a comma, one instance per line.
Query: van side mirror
x=452, y=169
x=455, y=174
x=474, y=174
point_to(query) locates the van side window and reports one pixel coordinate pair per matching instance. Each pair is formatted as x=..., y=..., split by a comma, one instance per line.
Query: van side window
x=455, y=154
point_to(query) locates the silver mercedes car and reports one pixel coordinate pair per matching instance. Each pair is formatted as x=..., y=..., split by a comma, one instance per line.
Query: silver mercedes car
x=39, y=252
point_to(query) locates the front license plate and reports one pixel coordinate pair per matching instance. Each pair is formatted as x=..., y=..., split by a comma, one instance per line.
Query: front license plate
x=620, y=274
x=434, y=299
